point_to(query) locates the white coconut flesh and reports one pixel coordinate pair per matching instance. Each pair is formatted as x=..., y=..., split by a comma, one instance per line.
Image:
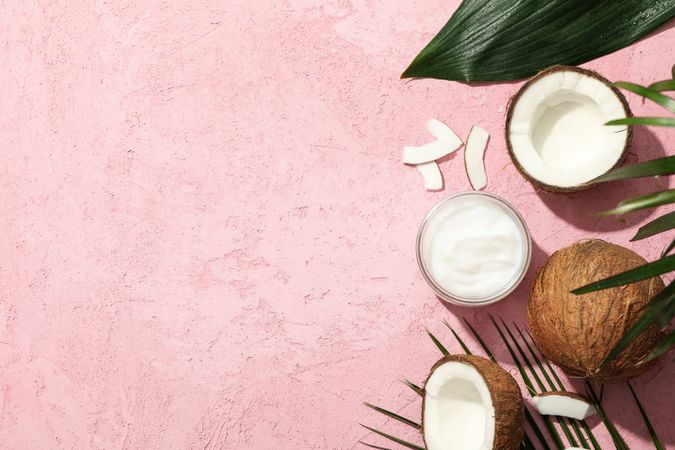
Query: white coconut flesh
x=473, y=157
x=563, y=405
x=557, y=129
x=458, y=410
x=433, y=180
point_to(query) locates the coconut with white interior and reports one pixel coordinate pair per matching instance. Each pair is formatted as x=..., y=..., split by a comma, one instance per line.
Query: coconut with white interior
x=470, y=403
x=556, y=133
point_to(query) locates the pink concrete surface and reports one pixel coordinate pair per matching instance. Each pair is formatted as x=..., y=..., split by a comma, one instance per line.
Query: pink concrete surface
x=208, y=238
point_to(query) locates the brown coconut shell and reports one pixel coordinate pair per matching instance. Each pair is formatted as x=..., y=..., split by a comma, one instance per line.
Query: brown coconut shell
x=506, y=399
x=577, y=332
x=509, y=115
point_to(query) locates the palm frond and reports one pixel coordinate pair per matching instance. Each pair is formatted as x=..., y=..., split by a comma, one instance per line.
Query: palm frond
x=655, y=439
x=644, y=272
x=399, y=441
x=393, y=415
x=655, y=167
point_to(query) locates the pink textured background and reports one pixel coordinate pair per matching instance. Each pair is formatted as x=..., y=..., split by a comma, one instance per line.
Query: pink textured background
x=208, y=238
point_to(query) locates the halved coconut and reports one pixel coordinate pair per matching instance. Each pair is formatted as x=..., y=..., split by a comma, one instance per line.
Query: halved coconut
x=470, y=403
x=556, y=132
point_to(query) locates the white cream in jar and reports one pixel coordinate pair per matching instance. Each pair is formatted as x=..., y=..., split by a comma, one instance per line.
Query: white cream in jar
x=473, y=248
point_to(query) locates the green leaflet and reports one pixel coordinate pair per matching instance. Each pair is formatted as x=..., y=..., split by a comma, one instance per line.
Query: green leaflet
x=658, y=267
x=665, y=85
x=644, y=201
x=655, y=312
x=655, y=439
x=495, y=40
x=652, y=168
x=655, y=96
x=664, y=223
x=656, y=121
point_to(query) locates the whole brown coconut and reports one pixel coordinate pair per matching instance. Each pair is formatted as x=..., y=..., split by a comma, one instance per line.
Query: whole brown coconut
x=576, y=332
x=507, y=401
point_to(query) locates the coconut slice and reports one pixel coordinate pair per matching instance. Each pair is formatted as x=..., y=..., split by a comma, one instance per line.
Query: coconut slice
x=428, y=152
x=473, y=157
x=470, y=403
x=556, y=132
x=442, y=132
x=433, y=181
x=565, y=404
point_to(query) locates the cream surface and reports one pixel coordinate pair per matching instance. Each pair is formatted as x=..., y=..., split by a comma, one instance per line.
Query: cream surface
x=473, y=247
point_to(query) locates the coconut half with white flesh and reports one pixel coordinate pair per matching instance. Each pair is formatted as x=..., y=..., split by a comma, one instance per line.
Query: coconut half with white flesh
x=470, y=403
x=565, y=404
x=556, y=133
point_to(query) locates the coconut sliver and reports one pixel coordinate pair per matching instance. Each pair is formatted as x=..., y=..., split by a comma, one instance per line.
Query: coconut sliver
x=433, y=180
x=473, y=157
x=443, y=133
x=428, y=152
x=565, y=404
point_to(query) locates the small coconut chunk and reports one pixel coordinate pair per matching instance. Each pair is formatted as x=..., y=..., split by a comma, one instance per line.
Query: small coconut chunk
x=428, y=152
x=565, y=404
x=473, y=157
x=433, y=181
x=442, y=132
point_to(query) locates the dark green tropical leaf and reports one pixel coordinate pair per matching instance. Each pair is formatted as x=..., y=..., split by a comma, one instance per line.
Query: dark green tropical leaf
x=418, y=390
x=374, y=446
x=663, y=346
x=656, y=226
x=619, y=442
x=493, y=40
x=394, y=438
x=393, y=415
x=534, y=374
x=438, y=344
x=655, y=121
x=665, y=85
x=655, y=96
x=654, y=312
x=655, y=167
x=658, y=267
x=526, y=379
x=537, y=361
x=655, y=439
x=668, y=249
x=480, y=341
x=642, y=202
x=459, y=340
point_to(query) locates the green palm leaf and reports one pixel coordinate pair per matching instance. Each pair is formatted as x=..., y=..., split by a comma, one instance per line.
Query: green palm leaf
x=656, y=121
x=655, y=96
x=393, y=415
x=665, y=85
x=655, y=167
x=655, y=439
x=642, y=202
x=654, y=313
x=663, y=346
x=492, y=40
x=656, y=226
x=649, y=270
x=377, y=447
x=394, y=438
x=619, y=442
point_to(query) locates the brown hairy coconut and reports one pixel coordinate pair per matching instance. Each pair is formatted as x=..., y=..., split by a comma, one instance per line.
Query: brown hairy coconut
x=470, y=403
x=577, y=332
x=556, y=133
